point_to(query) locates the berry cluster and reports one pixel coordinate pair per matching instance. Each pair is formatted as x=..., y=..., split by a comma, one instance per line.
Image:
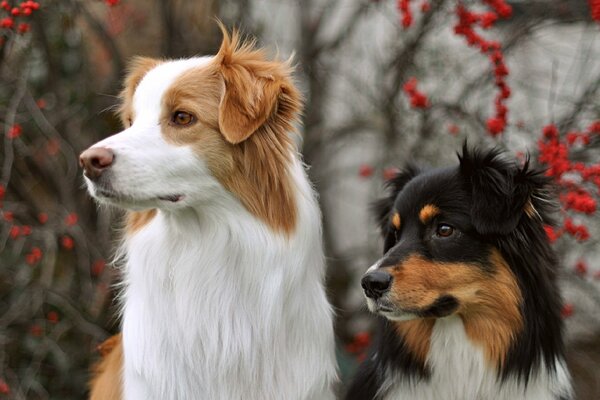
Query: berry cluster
x=467, y=22
x=417, y=99
x=14, y=12
x=573, y=178
x=406, y=17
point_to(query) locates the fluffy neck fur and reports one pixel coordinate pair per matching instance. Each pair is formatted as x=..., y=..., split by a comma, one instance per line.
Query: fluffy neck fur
x=218, y=306
x=457, y=369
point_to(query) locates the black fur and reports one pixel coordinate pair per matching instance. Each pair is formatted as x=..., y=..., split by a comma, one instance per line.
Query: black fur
x=488, y=196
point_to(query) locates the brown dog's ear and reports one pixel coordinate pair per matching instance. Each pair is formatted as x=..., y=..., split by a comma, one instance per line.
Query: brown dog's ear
x=251, y=88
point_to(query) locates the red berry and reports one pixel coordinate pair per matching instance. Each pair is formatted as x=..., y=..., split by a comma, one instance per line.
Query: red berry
x=4, y=388
x=30, y=259
x=581, y=268
x=365, y=171
x=23, y=27
x=495, y=126
x=551, y=233
x=36, y=330
x=14, y=232
x=71, y=219
x=52, y=317
x=15, y=130
x=567, y=310
x=7, y=23
x=453, y=129
x=98, y=267
x=67, y=242
x=42, y=218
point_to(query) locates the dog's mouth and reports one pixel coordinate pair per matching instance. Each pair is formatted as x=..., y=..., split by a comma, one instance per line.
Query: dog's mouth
x=392, y=313
x=115, y=196
x=443, y=306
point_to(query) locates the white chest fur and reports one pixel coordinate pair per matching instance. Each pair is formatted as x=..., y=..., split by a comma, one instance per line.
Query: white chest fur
x=460, y=372
x=217, y=306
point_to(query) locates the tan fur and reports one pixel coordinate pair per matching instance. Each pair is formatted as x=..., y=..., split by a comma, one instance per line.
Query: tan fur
x=417, y=336
x=137, y=68
x=396, y=220
x=136, y=220
x=107, y=382
x=245, y=108
x=428, y=212
x=488, y=301
x=530, y=210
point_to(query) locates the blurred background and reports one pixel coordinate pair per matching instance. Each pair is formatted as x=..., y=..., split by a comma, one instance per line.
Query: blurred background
x=385, y=82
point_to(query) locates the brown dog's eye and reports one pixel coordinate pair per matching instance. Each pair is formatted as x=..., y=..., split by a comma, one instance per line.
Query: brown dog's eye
x=444, y=230
x=182, y=118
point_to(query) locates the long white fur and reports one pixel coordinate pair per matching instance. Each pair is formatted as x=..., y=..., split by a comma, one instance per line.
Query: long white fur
x=460, y=371
x=215, y=305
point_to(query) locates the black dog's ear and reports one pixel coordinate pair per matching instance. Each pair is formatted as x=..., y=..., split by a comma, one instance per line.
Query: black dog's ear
x=502, y=192
x=382, y=207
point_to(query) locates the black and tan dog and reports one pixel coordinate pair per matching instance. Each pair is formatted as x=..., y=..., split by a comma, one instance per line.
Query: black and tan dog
x=466, y=289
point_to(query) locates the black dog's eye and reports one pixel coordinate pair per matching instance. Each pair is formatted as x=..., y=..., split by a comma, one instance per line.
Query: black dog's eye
x=182, y=118
x=444, y=230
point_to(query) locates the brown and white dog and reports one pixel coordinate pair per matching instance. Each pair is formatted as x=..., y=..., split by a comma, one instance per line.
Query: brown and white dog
x=223, y=265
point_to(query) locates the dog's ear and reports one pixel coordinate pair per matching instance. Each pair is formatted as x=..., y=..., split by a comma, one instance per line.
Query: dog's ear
x=502, y=192
x=251, y=88
x=382, y=208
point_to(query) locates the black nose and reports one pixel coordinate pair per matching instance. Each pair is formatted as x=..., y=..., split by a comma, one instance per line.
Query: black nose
x=376, y=283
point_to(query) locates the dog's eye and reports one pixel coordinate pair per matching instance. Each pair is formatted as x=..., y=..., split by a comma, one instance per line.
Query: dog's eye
x=444, y=230
x=182, y=118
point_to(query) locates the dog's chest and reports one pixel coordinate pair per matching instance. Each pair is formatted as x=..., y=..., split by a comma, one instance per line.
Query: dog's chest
x=206, y=316
x=459, y=371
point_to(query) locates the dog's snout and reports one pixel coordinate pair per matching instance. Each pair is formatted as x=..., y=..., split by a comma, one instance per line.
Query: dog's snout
x=376, y=283
x=95, y=160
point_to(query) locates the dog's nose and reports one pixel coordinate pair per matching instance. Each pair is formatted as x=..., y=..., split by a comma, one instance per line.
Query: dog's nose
x=376, y=283
x=95, y=160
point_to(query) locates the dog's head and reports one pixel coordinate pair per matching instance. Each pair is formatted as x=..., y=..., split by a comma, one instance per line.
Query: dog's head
x=197, y=127
x=442, y=230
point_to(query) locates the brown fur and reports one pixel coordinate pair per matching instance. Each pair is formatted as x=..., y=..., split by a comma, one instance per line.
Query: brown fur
x=106, y=383
x=245, y=108
x=530, y=210
x=136, y=71
x=488, y=302
x=417, y=336
x=396, y=220
x=136, y=220
x=428, y=212
x=138, y=67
